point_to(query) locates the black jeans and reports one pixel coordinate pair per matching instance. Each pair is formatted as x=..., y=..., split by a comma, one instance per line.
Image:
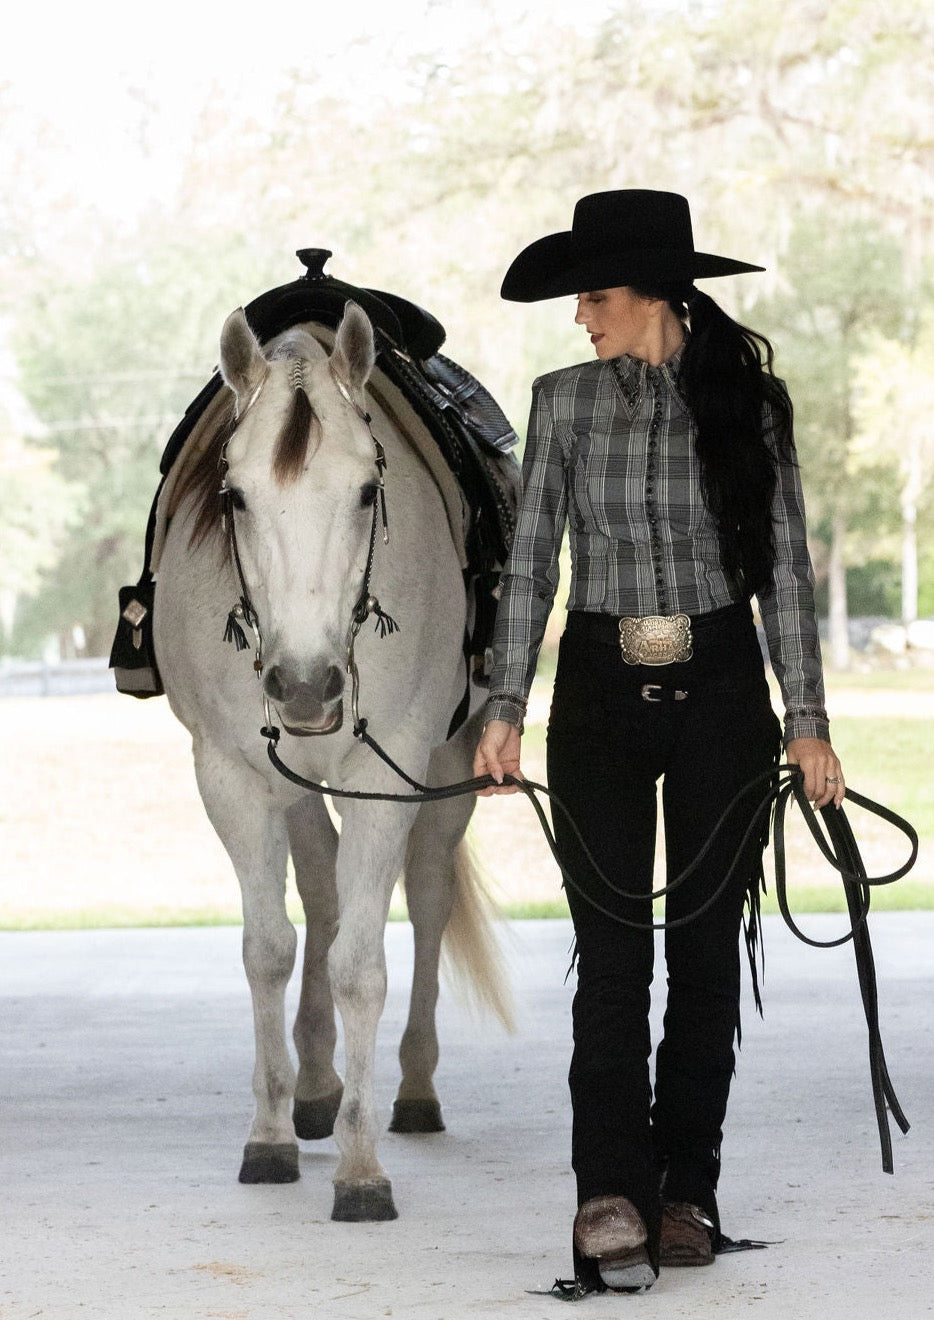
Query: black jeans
x=609, y=740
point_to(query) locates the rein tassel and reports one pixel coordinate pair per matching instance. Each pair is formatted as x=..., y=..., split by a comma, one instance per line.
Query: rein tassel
x=385, y=623
x=233, y=632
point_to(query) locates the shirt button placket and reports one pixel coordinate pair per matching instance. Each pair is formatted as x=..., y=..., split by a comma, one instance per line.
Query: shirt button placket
x=651, y=507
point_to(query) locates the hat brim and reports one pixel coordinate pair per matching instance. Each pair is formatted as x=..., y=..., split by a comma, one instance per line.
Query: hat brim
x=558, y=265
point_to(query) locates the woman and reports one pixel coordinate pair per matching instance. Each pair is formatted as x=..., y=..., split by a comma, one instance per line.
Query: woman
x=671, y=460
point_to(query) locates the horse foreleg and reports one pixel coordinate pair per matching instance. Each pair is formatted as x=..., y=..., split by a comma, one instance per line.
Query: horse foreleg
x=446, y=899
x=369, y=860
x=313, y=840
x=430, y=889
x=255, y=837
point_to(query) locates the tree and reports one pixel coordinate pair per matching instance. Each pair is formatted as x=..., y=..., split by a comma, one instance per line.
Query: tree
x=895, y=420
x=845, y=285
x=34, y=506
x=429, y=181
x=108, y=367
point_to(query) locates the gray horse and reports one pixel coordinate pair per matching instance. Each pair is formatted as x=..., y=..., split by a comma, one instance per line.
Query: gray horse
x=293, y=471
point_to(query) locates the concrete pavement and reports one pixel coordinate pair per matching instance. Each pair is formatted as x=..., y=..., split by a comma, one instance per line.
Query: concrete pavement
x=126, y=1098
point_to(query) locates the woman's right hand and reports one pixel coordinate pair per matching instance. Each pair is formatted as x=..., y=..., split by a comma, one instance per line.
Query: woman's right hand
x=497, y=755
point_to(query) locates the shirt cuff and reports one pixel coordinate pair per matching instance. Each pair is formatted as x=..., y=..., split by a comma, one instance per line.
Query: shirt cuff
x=506, y=707
x=806, y=722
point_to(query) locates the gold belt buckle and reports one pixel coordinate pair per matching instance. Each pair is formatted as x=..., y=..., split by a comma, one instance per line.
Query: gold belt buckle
x=656, y=639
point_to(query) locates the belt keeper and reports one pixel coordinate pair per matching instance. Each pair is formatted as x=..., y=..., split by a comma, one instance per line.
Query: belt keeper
x=664, y=694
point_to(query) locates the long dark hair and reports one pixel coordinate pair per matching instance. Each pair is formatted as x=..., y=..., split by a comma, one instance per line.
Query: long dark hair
x=743, y=419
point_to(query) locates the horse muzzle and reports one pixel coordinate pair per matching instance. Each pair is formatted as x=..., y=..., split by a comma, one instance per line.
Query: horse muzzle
x=308, y=706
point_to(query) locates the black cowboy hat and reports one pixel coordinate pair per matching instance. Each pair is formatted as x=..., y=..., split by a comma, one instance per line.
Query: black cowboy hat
x=632, y=236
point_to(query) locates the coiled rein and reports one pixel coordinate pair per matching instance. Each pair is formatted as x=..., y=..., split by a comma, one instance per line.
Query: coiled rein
x=838, y=847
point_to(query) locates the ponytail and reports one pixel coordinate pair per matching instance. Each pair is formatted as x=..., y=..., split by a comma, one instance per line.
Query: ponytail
x=743, y=420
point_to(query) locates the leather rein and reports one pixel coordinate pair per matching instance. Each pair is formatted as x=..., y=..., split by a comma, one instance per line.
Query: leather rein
x=835, y=840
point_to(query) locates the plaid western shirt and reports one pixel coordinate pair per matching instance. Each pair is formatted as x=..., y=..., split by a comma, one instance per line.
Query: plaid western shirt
x=610, y=453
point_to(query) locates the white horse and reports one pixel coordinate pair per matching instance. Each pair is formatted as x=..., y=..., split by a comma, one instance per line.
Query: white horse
x=302, y=490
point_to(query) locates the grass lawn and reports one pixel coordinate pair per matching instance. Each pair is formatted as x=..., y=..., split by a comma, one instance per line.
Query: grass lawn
x=885, y=758
x=103, y=826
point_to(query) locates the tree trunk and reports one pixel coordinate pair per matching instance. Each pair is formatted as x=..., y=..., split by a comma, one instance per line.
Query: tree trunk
x=912, y=472
x=836, y=583
x=909, y=563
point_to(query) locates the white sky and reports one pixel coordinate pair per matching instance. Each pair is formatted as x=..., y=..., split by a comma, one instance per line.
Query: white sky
x=74, y=63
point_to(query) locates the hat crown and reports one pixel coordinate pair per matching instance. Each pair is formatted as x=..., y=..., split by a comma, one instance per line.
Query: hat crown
x=633, y=219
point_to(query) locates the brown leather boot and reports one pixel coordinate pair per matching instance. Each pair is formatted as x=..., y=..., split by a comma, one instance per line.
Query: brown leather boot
x=687, y=1235
x=610, y=1231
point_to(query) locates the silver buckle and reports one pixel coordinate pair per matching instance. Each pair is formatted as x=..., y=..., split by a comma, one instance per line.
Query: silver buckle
x=656, y=639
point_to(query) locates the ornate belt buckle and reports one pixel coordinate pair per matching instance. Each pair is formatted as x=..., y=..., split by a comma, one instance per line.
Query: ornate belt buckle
x=656, y=639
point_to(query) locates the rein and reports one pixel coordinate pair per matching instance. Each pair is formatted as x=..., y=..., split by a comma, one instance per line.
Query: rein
x=839, y=847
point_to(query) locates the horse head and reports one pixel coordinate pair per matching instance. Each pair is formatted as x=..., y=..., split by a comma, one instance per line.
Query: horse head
x=299, y=486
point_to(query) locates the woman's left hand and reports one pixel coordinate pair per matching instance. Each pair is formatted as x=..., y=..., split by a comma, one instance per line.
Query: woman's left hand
x=823, y=775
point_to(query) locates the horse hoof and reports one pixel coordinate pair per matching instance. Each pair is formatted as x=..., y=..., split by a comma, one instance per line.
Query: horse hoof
x=265, y=1162
x=416, y=1116
x=314, y=1119
x=365, y=1202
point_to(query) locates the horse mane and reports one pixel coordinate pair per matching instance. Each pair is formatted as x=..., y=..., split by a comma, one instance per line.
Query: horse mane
x=294, y=446
x=202, y=479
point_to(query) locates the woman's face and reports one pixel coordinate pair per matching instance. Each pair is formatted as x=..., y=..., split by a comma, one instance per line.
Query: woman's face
x=616, y=319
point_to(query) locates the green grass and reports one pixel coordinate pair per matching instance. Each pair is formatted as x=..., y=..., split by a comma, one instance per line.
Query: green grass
x=882, y=680
x=905, y=896
x=116, y=918
x=889, y=760
x=886, y=759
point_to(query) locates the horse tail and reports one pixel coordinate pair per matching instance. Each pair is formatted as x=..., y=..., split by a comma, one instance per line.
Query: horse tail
x=471, y=954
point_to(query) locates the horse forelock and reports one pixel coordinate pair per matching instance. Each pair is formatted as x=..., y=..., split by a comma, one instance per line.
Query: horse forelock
x=301, y=430
x=297, y=441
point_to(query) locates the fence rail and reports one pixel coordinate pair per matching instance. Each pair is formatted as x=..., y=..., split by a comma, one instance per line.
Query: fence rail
x=66, y=678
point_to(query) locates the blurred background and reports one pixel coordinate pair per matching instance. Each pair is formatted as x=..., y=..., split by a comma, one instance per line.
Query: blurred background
x=159, y=166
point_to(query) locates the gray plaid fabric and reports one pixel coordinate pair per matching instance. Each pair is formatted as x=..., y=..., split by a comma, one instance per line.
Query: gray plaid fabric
x=610, y=453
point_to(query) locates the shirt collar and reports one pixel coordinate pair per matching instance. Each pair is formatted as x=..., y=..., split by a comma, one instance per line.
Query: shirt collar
x=634, y=376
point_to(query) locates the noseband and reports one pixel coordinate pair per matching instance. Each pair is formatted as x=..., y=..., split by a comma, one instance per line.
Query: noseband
x=367, y=603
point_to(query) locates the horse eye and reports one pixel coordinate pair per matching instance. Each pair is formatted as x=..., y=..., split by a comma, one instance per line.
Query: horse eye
x=368, y=495
x=236, y=498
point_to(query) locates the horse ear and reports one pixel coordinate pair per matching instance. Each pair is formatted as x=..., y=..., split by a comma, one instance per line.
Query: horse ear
x=354, y=351
x=243, y=366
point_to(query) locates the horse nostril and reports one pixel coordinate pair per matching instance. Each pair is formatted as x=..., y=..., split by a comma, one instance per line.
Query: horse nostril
x=333, y=683
x=325, y=683
x=276, y=683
